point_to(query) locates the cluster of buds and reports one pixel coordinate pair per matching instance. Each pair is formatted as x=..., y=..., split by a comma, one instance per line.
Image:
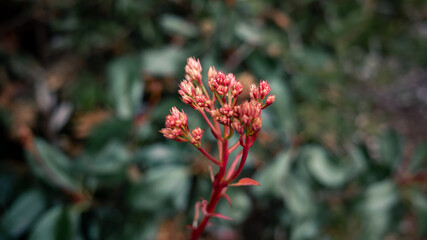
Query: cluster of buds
x=221, y=105
x=260, y=93
x=176, y=128
x=193, y=70
x=222, y=84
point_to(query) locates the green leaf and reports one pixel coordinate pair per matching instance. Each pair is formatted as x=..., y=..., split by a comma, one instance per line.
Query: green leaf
x=283, y=106
x=419, y=158
x=239, y=211
x=273, y=175
x=53, y=166
x=161, y=187
x=158, y=154
x=23, y=212
x=378, y=201
x=419, y=206
x=126, y=85
x=111, y=160
x=176, y=25
x=307, y=229
x=58, y=223
x=107, y=131
x=391, y=148
x=250, y=33
x=163, y=62
x=321, y=167
x=298, y=196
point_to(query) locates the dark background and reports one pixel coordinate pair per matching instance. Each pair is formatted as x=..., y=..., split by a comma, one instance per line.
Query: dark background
x=85, y=87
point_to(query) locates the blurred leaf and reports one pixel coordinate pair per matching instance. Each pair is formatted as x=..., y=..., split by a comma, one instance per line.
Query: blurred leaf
x=250, y=33
x=60, y=116
x=283, y=106
x=176, y=25
x=419, y=208
x=273, y=175
x=107, y=131
x=126, y=86
x=58, y=223
x=240, y=209
x=161, y=187
x=111, y=160
x=163, y=62
x=360, y=160
x=376, y=209
x=298, y=196
x=53, y=166
x=380, y=196
x=419, y=158
x=24, y=210
x=391, y=148
x=158, y=154
x=305, y=230
x=321, y=167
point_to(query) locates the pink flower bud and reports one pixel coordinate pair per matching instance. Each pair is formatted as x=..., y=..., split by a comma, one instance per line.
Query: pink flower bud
x=226, y=110
x=168, y=133
x=236, y=88
x=270, y=100
x=264, y=89
x=193, y=69
x=197, y=136
x=260, y=92
x=249, y=115
x=253, y=92
x=176, y=119
x=236, y=125
x=219, y=82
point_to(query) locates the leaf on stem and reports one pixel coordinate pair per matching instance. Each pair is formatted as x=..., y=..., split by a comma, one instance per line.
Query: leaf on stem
x=246, y=182
x=228, y=198
x=219, y=215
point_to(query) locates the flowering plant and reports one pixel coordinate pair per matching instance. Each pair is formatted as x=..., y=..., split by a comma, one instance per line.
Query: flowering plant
x=222, y=107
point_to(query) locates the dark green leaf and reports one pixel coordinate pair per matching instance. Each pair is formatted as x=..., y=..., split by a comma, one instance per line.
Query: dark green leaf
x=391, y=148
x=176, y=25
x=322, y=168
x=23, y=212
x=126, y=85
x=161, y=187
x=53, y=166
x=163, y=62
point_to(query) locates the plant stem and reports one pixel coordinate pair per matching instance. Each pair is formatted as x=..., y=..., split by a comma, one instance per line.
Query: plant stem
x=219, y=185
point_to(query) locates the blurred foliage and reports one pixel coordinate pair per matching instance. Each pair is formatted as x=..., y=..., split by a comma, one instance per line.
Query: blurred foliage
x=85, y=86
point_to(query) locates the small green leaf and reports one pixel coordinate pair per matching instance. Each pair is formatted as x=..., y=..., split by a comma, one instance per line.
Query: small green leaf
x=321, y=167
x=163, y=62
x=391, y=148
x=111, y=160
x=161, y=187
x=419, y=205
x=298, y=196
x=23, y=212
x=419, y=158
x=58, y=223
x=239, y=211
x=126, y=85
x=53, y=166
x=273, y=175
x=176, y=25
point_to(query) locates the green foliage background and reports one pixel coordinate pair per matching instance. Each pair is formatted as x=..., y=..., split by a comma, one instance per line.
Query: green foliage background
x=85, y=87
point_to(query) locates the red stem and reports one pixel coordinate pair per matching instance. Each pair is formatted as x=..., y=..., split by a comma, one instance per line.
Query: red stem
x=218, y=186
x=212, y=159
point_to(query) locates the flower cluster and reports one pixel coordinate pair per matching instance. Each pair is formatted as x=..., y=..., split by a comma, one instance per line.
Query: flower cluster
x=223, y=109
x=176, y=128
